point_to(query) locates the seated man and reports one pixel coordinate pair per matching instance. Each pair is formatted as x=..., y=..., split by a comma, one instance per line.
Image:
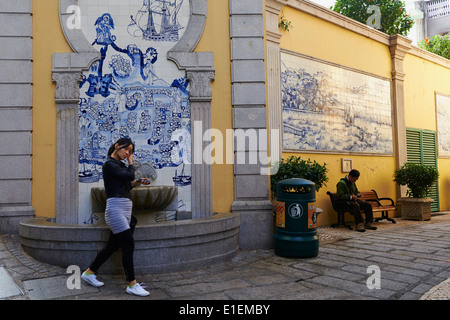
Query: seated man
x=347, y=199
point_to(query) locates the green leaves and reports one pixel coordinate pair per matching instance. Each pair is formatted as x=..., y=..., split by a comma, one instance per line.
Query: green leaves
x=438, y=44
x=295, y=167
x=285, y=24
x=417, y=177
x=394, y=19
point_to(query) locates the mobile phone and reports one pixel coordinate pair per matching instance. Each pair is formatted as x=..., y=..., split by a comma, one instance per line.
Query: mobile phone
x=144, y=181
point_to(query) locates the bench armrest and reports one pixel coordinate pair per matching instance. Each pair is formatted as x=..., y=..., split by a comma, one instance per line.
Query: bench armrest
x=374, y=200
x=388, y=199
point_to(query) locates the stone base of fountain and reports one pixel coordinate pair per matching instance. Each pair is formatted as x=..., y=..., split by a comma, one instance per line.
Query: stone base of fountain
x=159, y=247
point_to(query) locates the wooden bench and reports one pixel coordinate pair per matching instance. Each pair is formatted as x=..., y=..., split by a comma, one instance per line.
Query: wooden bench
x=373, y=199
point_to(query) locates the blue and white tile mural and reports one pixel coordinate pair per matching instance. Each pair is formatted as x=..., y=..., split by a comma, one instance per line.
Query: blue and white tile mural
x=157, y=13
x=134, y=91
x=443, y=124
x=329, y=108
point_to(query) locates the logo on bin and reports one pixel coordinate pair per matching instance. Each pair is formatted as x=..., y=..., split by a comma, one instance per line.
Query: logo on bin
x=295, y=211
x=280, y=214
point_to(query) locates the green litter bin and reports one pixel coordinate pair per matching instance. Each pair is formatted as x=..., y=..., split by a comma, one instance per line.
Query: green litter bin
x=296, y=217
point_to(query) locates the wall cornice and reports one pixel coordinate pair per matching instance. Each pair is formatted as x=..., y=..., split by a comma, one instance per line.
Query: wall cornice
x=357, y=27
x=338, y=19
x=427, y=55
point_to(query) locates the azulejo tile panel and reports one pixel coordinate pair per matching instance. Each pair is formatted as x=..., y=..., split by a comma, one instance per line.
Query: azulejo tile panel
x=330, y=108
x=443, y=124
x=134, y=91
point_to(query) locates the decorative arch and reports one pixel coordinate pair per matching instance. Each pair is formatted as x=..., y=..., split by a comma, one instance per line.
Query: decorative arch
x=67, y=74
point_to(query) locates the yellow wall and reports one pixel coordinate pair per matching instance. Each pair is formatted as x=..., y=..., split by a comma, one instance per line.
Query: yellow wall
x=423, y=79
x=48, y=38
x=321, y=39
x=216, y=38
x=444, y=184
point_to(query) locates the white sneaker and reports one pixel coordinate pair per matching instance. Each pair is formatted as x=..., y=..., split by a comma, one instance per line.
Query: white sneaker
x=137, y=290
x=91, y=279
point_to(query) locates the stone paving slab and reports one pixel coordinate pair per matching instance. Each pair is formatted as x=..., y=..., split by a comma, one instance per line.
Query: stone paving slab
x=412, y=256
x=8, y=287
x=54, y=288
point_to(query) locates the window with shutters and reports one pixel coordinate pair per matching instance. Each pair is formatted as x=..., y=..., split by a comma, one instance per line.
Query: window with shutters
x=421, y=149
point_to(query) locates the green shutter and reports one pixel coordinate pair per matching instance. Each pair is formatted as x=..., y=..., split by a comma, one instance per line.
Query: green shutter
x=421, y=149
x=413, y=146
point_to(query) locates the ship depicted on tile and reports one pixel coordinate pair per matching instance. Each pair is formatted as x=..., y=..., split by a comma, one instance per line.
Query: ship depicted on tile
x=134, y=91
x=326, y=107
x=157, y=13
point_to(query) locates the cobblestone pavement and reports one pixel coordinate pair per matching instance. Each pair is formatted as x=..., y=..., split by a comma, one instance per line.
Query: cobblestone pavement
x=413, y=258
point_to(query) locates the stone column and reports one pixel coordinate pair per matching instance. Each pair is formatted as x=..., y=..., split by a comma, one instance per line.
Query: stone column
x=399, y=47
x=67, y=96
x=249, y=119
x=199, y=67
x=273, y=36
x=200, y=96
x=67, y=74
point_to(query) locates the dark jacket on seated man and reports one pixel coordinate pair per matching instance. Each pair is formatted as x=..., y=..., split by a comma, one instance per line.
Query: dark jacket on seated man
x=347, y=199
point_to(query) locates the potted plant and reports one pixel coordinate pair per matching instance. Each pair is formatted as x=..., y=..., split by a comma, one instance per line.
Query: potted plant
x=295, y=167
x=418, y=178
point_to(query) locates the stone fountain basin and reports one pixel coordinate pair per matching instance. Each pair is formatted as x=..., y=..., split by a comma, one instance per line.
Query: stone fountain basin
x=151, y=204
x=159, y=247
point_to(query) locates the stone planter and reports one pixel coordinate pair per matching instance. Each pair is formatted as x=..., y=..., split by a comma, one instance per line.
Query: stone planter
x=415, y=208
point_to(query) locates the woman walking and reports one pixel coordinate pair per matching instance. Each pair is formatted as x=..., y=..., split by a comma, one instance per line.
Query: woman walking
x=119, y=180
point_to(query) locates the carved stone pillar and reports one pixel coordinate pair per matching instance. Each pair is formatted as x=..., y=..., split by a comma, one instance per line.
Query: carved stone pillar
x=201, y=170
x=251, y=187
x=273, y=36
x=67, y=96
x=399, y=47
x=199, y=68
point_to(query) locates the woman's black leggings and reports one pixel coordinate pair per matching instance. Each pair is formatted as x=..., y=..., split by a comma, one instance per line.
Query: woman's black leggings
x=122, y=240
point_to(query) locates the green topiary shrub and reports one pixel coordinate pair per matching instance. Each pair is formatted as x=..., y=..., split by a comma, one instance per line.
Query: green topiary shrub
x=417, y=177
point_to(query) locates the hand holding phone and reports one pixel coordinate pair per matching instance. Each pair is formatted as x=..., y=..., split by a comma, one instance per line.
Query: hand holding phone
x=144, y=181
